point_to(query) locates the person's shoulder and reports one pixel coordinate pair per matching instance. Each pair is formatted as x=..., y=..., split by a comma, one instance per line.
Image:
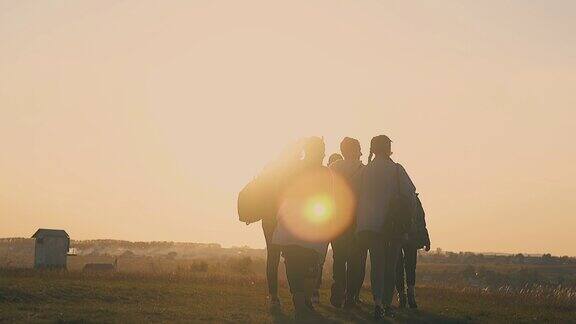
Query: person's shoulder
x=400, y=167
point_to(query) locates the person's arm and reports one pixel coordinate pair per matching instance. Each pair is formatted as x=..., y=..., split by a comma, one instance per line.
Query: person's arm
x=421, y=220
x=407, y=187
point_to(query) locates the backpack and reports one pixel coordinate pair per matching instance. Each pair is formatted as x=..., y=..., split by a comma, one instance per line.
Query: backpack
x=400, y=215
x=256, y=200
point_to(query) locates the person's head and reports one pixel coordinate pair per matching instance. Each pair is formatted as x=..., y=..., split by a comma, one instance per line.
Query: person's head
x=350, y=148
x=334, y=157
x=380, y=145
x=314, y=150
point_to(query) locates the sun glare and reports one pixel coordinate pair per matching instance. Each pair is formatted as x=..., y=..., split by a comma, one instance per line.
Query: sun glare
x=317, y=207
x=320, y=209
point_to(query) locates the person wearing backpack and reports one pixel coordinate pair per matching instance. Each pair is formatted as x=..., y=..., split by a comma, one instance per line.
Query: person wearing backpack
x=258, y=202
x=417, y=238
x=296, y=235
x=384, y=216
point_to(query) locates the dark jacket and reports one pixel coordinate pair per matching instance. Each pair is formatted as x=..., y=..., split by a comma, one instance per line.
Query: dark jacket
x=419, y=233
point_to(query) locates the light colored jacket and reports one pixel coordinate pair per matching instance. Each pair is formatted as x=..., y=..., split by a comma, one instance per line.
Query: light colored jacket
x=282, y=235
x=378, y=186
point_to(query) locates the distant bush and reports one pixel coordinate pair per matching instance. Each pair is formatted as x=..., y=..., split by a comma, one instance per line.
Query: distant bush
x=199, y=266
x=240, y=265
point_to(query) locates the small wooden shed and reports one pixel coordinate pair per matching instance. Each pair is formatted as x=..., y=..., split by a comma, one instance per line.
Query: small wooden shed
x=51, y=248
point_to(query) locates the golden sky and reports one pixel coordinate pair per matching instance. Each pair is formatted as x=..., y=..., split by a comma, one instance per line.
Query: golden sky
x=141, y=120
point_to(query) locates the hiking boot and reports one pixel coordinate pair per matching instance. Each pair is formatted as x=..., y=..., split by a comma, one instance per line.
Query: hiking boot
x=401, y=300
x=378, y=313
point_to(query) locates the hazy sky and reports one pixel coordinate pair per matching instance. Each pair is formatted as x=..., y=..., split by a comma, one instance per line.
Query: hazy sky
x=141, y=120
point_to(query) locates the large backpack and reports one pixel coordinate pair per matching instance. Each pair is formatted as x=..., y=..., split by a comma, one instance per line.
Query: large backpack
x=401, y=213
x=257, y=200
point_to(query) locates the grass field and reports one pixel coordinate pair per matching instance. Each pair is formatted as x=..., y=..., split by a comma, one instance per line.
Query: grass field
x=73, y=297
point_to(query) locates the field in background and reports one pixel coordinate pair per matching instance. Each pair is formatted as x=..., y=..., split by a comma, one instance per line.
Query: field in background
x=166, y=281
x=75, y=297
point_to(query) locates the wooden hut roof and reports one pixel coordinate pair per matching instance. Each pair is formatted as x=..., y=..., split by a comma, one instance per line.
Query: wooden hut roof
x=43, y=232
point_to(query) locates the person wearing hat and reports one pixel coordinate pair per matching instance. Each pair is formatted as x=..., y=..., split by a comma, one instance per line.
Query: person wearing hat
x=382, y=182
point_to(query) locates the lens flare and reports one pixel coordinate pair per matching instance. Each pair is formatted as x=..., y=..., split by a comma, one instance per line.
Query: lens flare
x=319, y=209
x=317, y=206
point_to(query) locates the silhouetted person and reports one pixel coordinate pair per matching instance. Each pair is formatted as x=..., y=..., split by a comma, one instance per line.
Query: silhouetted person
x=334, y=157
x=287, y=161
x=302, y=254
x=316, y=294
x=350, y=168
x=417, y=238
x=383, y=182
x=272, y=260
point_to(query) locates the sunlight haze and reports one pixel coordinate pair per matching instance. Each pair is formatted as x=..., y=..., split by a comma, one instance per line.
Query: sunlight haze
x=142, y=120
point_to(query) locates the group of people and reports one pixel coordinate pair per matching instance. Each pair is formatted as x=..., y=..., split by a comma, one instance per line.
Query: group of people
x=359, y=209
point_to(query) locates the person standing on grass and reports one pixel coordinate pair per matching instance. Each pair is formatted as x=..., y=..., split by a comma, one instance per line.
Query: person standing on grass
x=316, y=294
x=385, y=210
x=295, y=236
x=417, y=238
x=287, y=161
x=349, y=168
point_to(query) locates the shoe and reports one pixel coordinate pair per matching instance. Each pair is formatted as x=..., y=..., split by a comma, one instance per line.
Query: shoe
x=315, y=299
x=274, y=303
x=359, y=300
x=303, y=309
x=401, y=300
x=378, y=313
x=412, y=303
x=350, y=303
x=336, y=302
x=307, y=315
x=309, y=304
x=388, y=312
x=337, y=297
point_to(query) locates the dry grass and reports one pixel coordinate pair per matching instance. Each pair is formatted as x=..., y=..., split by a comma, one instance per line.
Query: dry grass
x=180, y=296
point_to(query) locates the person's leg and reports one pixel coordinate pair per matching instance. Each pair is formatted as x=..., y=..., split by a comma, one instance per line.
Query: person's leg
x=295, y=274
x=390, y=256
x=361, y=275
x=272, y=260
x=340, y=256
x=411, y=255
x=356, y=268
x=400, y=288
x=376, y=249
x=318, y=283
x=301, y=270
x=311, y=262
